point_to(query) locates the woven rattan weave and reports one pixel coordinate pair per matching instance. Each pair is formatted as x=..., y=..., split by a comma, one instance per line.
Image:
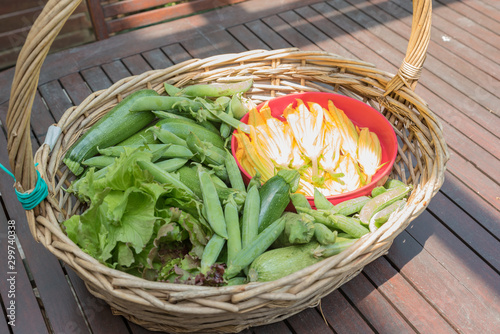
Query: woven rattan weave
x=422, y=156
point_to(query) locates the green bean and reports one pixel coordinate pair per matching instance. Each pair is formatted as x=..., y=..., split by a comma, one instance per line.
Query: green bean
x=234, y=173
x=233, y=230
x=165, y=103
x=321, y=202
x=250, y=222
x=163, y=177
x=215, y=215
x=211, y=252
x=216, y=89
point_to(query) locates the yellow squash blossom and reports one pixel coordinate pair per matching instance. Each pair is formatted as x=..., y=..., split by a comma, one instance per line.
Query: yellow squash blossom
x=369, y=153
x=346, y=128
x=306, y=126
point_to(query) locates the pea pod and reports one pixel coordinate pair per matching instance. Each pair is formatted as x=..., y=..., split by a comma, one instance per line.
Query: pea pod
x=171, y=89
x=171, y=165
x=324, y=235
x=378, y=191
x=211, y=252
x=299, y=229
x=216, y=89
x=349, y=225
x=205, y=151
x=164, y=103
x=250, y=222
x=351, y=206
x=237, y=281
x=167, y=137
x=238, y=108
x=333, y=249
x=234, y=173
x=321, y=202
x=258, y=246
x=182, y=129
x=393, y=183
x=214, y=213
x=163, y=177
x=378, y=203
x=159, y=151
x=233, y=230
x=299, y=200
x=98, y=161
x=383, y=215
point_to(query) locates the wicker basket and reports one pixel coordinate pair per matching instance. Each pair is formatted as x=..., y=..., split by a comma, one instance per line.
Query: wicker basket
x=422, y=155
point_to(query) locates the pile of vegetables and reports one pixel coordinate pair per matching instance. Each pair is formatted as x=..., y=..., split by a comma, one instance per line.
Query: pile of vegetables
x=166, y=200
x=331, y=154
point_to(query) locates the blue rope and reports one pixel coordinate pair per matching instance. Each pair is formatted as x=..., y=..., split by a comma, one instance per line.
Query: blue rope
x=32, y=199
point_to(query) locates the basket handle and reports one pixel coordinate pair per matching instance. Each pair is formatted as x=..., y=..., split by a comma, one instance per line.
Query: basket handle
x=51, y=20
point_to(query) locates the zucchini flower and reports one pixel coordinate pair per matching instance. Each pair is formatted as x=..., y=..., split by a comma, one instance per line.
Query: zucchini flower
x=346, y=128
x=369, y=153
x=275, y=139
x=307, y=128
x=253, y=159
x=331, y=152
x=298, y=159
x=351, y=179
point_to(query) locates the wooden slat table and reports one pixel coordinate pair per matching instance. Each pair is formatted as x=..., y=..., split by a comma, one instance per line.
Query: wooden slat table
x=442, y=273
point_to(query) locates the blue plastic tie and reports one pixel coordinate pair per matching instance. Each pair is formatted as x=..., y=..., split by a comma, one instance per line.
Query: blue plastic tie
x=32, y=199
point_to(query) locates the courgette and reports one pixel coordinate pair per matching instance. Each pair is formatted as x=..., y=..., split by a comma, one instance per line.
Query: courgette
x=275, y=196
x=280, y=262
x=117, y=125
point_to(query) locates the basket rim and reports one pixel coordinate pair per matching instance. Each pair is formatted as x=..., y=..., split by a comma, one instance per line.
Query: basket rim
x=123, y=85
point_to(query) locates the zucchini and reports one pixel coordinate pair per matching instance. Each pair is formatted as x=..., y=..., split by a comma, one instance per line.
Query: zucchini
x=280, y=262
x=275, y=196
x=117, y=125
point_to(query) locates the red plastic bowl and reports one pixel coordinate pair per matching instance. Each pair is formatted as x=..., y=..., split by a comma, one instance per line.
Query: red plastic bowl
x=361, y=114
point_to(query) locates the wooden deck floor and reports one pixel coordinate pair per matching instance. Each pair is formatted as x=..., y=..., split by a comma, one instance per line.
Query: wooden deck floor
x=442, y=274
